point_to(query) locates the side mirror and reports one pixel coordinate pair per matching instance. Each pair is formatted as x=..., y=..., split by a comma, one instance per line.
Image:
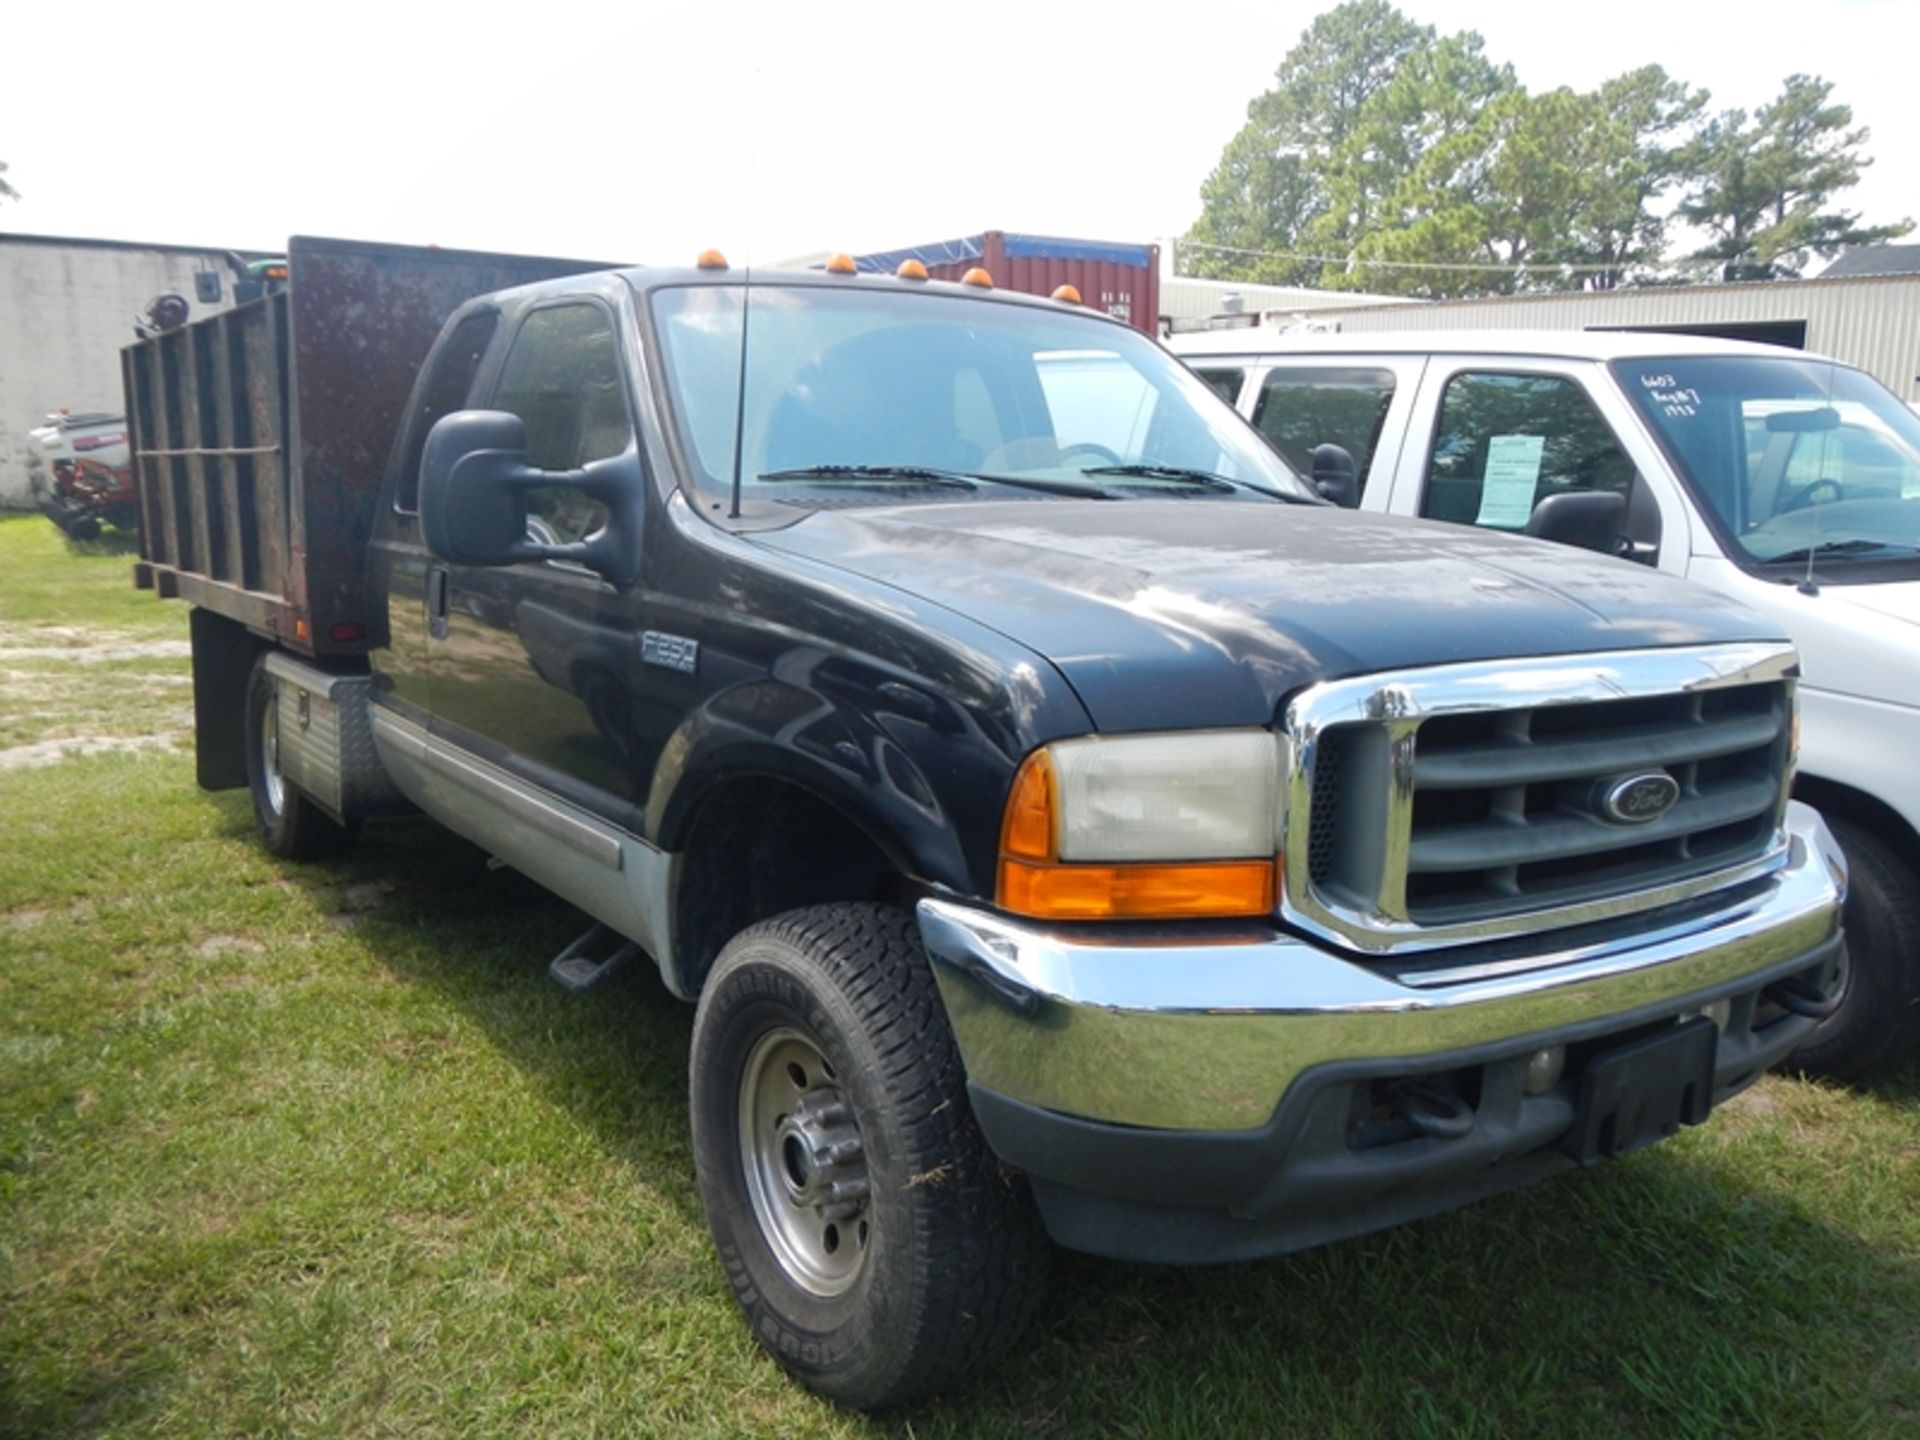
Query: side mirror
x=474, y=479
x=1335, y=476
x=1589, y=519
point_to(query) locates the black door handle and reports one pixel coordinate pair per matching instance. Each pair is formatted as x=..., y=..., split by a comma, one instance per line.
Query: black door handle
x=437, y=602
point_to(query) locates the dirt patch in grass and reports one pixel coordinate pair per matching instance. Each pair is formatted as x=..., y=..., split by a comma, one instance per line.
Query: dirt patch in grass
x=79, y=747
x=97, y=653
x=217, y=945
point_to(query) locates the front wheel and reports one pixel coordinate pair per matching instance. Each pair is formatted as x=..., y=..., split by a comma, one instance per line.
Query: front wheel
x=1878, y=1023
x=291, y=826
x=877, y=1247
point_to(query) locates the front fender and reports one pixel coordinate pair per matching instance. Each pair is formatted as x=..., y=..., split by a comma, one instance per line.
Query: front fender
x=909, y=767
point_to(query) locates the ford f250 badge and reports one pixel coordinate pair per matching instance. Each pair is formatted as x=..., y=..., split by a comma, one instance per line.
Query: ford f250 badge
x=1636, y=799
x=670, y=652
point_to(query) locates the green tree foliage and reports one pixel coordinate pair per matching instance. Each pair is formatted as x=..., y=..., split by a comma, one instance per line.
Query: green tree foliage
x=1273, y=180
x=1763, y=185
x=1387, y=157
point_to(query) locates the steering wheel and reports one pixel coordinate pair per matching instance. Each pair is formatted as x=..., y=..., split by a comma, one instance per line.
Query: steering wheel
x=1038, y=452
x=1087, y=447
x=1808, y=495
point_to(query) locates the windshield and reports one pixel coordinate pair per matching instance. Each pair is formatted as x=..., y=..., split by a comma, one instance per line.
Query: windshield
x=869, y=382
x=1796, y=459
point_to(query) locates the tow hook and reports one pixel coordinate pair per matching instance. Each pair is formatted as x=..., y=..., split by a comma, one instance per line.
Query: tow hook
x=1802, y=997
x=1436, y=1113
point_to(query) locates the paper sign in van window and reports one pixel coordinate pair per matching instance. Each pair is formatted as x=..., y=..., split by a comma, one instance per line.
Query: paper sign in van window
x=1513, y=475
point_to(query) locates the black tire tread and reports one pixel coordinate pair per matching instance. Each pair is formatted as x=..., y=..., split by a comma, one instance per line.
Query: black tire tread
x=1878, y=1025
x=983, y=1257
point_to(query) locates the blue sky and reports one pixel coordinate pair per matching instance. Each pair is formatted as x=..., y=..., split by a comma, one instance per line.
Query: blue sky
x=647, y=132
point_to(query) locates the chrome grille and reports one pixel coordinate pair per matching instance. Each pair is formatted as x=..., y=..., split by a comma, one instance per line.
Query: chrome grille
x=1464, y=802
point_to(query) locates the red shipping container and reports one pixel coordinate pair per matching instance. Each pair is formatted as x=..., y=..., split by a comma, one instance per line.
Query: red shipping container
x=1122, y=280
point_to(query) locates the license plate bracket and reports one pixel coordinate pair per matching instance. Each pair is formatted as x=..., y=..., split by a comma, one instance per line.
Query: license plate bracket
x=1644, y=1091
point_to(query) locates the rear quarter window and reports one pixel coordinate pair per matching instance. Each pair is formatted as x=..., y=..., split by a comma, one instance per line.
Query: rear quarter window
x=1303, y=407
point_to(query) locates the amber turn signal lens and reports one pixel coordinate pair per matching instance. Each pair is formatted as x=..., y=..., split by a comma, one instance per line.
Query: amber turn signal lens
x=1028, y=830
x=711, y=260
x=842, y=265
x=977, y=276
x=1066, y=295
x=1122, y=892
x=911, y=270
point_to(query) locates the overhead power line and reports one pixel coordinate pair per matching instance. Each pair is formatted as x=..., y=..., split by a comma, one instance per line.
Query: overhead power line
x=1503, y=267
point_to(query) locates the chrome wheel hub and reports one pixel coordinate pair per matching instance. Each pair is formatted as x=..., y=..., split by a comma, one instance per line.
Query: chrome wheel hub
x=272, y=787
x=805, y=1165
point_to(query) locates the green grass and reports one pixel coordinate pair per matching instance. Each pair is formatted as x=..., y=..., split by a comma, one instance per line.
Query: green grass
x=320, y=1151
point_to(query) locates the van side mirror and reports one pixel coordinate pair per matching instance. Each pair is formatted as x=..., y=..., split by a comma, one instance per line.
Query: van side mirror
x=474, y=479
x=1588, y=519
x=1335, y=476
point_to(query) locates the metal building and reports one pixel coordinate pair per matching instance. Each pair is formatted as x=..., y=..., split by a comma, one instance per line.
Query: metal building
x=66, y=308
x=1188, y=303
x=1871, y=321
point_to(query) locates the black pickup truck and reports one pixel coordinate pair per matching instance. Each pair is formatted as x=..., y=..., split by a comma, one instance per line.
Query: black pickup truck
x=1067, y=823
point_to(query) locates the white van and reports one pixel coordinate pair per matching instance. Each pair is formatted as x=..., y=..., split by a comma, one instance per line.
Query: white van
x=1787, y=480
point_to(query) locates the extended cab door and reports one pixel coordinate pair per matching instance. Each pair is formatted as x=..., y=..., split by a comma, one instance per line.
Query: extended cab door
x=400, y=567
x=536, y=668
x=1491, y=436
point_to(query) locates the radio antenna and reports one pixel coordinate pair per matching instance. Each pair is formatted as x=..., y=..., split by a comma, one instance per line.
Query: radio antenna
x=746, y=291
x=1808, y=585
x=740, y=393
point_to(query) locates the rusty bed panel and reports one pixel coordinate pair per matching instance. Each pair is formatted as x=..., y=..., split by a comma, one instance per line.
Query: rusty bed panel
x=261, y=434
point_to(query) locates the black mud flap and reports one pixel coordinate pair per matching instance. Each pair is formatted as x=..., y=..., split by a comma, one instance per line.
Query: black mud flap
x=1643, y=1091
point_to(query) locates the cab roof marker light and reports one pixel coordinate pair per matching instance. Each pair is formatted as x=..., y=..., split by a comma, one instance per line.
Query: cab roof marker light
x=977, y=276
x=711, y=260
x=842, y=265
x=911, y=270
x=1066, y=295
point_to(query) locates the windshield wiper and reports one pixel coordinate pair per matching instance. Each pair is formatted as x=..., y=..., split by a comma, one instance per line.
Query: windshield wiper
x=881, y=474
x=1202, y=479
x=1840, y=547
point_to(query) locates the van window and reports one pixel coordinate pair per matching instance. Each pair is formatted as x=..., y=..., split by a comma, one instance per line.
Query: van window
x=563, y=379
x=448, y=384
x=1223, y=381
x=1506, y=442
x=1308, y=406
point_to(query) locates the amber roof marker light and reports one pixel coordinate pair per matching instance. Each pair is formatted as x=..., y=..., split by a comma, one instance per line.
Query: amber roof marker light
x=977, y=276
x=711, y=260
x=911, y=270
x=842, y=265
x=1066, y=295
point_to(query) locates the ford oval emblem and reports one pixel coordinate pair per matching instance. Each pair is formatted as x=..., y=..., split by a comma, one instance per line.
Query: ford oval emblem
x=1636, y=799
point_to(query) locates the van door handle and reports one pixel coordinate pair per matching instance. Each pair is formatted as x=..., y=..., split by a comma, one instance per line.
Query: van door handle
x=437, y=602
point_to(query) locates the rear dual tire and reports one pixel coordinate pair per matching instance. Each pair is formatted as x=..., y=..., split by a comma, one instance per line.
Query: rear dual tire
x=877, y=1247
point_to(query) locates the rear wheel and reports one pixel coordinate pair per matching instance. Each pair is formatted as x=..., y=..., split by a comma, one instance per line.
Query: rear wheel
x=877, y=1247
x=1878, y=1023
x=290, y=824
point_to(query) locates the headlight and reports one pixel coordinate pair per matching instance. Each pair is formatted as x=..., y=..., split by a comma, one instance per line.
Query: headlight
x=1146, y=826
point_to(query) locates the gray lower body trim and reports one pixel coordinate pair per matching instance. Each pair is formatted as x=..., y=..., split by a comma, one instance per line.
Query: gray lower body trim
x=617, y=878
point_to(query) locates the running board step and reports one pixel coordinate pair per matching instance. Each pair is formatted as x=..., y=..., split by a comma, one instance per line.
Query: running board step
x=594, y=957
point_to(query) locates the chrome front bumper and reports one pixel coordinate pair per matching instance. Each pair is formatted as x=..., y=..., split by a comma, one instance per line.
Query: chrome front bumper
x=1195, y=1031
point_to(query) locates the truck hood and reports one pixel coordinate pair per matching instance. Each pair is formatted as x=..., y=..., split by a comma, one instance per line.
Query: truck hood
x=1170, y=614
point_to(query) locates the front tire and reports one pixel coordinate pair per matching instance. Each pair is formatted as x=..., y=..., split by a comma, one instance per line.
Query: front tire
x=291, y=826
x=878, y=1248
x=1878, y=1023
